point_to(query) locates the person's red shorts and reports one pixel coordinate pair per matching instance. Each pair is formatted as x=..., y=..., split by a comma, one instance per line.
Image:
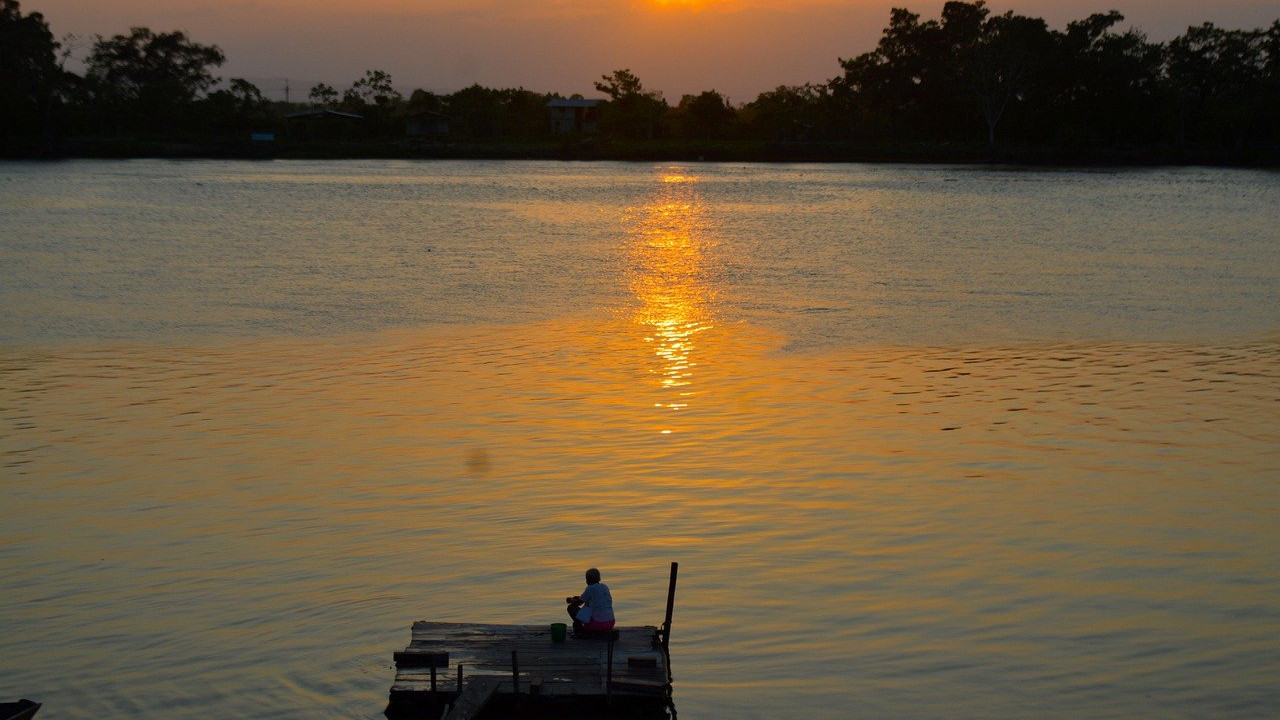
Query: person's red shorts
x=599, y=625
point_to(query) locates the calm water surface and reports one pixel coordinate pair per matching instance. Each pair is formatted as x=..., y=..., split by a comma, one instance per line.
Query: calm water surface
x=928, y=442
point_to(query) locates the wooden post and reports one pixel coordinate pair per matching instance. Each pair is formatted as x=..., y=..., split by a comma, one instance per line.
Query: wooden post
x=671, y=604
x=459, y=678
x=433, y=675
x=515, y=674
x=608, y=675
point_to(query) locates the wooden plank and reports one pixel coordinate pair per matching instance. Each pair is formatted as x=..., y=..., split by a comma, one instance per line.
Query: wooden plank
x=23, y=709
x=641, y=688
x=546, y=687
x=559, y=687
x=592, y=678
x=419, y=659
x=475, y=695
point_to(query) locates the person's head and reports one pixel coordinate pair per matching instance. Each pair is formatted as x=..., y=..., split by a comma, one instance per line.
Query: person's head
x=593, y=576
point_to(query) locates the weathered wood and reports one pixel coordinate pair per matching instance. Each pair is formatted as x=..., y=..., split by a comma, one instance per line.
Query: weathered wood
x=637, y=687
x=577, y=667
x=414, y=659
x=671, y=606
x=473, y=698
x=608, y=672
x=23, y=709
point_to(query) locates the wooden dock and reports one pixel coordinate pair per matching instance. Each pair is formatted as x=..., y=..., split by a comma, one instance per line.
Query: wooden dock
x=453, y=670
x=460, y=671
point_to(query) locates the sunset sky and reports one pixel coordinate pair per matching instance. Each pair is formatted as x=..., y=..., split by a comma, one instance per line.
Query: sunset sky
x=738, y=47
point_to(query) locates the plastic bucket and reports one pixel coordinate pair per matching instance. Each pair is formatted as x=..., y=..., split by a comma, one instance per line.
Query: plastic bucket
x=558, y=631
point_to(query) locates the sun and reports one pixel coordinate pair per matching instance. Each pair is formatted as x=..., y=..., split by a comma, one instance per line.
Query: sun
x=680, y=4
x=697, y=6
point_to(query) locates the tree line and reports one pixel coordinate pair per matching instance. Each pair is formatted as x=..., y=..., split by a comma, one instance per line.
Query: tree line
x=969, y=78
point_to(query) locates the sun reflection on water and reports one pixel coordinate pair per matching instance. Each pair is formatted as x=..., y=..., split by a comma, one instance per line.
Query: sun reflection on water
x=668, y=278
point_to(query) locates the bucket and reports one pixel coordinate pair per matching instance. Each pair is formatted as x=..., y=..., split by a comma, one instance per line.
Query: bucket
x=557, y=632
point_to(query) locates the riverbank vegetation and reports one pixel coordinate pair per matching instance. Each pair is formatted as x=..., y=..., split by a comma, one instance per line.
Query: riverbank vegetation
x=971, y=85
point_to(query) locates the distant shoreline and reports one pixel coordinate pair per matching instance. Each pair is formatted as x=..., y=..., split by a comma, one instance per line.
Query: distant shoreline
x=657, y=151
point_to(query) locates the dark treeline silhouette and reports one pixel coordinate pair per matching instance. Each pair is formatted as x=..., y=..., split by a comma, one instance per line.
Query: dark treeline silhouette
x=968, y=84
x=1009, y=78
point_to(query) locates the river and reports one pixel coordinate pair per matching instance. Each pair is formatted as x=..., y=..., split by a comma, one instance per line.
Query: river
x=927, y=441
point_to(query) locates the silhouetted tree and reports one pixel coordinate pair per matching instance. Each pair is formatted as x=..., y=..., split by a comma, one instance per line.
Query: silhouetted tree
x=1109, y=85
x=880, y=86
x=151, y=79
x=1012, y=76
x=1270, y=106
x=374, y=97
x=1000, y=68
x=485, y=113
x=29, y=73
x=323, y=95
x=1219, y=81
x=372, y=90
x=247, y=95
x=423, y=101
x=706, y=116
x=474, y=112
x=968, y=75
x=787, y=113
x=631, y=111
x=239, y=108
x=525, y=113
x=909, y=86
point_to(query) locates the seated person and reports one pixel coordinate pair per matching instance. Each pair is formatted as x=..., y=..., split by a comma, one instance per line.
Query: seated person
x=592, y=611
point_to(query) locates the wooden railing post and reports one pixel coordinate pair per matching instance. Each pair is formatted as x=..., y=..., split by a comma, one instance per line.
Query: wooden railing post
x=671, y=604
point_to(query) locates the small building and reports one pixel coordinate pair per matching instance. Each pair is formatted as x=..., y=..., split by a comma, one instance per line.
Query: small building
x=426, y=124
x=574, y=115
x=323, y=124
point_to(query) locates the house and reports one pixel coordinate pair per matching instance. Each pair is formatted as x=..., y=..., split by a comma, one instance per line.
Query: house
x=323, y=124
x=574, y=115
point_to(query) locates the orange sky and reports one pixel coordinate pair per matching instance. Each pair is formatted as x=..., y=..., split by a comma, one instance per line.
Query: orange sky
x=739, y=47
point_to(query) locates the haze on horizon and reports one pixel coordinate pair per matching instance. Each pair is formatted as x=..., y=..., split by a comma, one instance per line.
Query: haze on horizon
x=737, y=47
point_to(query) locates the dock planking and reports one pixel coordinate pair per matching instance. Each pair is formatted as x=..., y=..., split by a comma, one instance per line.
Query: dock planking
x=459, y=670
x=479, y=691
x=522, y=661
x=577, y=666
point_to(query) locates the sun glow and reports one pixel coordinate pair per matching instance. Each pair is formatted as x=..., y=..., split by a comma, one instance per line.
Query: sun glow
x=680, y=4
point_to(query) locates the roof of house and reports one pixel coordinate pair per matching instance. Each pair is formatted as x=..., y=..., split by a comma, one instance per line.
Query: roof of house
x=323, y=113
x=572, y=103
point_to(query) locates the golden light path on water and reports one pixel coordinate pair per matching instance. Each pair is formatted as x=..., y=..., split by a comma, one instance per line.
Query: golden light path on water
x=676, y=303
